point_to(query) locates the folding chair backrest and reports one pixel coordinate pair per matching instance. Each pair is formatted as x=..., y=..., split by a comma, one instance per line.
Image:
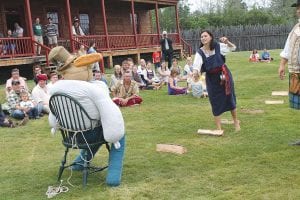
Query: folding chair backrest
x=70, y=114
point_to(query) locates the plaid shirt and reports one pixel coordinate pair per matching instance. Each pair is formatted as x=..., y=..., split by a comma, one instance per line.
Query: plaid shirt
x=13, y=100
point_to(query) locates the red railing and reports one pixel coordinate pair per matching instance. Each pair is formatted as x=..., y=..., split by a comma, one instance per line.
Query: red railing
x=45, y=50
x=16, y=47
x=100, y=41
x=122, y=41
x=186, y=47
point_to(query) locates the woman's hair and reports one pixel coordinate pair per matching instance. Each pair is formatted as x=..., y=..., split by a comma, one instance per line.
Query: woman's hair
x=91, y=43
x=118, y=75
x=212, y=43
x=173, y=72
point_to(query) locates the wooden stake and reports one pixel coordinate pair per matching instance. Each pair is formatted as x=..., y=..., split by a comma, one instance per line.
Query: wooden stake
x=210, y=132
x=274, y=102
x=280, y=93
x=171, y=148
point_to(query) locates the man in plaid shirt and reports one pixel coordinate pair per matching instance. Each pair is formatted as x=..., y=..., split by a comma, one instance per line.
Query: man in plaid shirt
x=13, y=101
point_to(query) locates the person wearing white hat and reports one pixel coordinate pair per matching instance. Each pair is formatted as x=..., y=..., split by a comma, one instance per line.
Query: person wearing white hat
x=166, y=48
x=290, y=56
x=94, y=97
x=76, y=28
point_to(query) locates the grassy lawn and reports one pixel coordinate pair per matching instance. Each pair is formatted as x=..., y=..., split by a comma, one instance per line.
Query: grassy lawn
x=256, y=163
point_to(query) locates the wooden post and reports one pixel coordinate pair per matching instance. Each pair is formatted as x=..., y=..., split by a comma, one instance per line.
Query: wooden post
x=105, y=24
x=68, y=7
x=177, y=23
x=157, y=22
x=133, y=23
x=28, y=12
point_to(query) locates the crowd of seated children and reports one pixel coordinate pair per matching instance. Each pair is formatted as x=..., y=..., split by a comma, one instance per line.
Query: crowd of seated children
x=98, y=76
x=197, y=86
x=254, y=56
x=156, y=59
x=150, y=78
x=177, y=68
x=141, y=67
x=53, y=78
x=265, y=56
x=137, y=77
x=125, y=92
x=116, y=76
x=188, y=69
x=163, y=73
x=173, y=88
x=28, y=106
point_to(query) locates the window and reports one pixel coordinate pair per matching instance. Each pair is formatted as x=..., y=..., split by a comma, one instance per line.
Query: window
x=84, y=23
x=136, y=21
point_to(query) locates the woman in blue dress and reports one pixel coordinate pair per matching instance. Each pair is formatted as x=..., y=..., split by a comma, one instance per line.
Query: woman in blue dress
x=210, y=58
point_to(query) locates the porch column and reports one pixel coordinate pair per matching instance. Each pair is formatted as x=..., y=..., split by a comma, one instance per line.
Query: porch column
x=133, y=23
x=157, y=22
x=177, y=23
x=68, y=7
x=28, y=12
x=105, y=24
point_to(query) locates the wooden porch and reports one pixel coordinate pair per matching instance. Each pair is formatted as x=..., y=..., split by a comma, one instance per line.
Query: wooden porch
x=115, y=33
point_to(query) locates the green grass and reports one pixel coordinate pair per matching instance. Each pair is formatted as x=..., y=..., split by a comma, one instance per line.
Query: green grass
x=256, y=163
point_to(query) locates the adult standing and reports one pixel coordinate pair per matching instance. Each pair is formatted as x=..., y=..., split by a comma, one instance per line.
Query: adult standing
x=210, y=58
x=18, y=32
x=166, y=48
x=76, y=28
x=51, y=33
x=290, y=56
x=38, y=35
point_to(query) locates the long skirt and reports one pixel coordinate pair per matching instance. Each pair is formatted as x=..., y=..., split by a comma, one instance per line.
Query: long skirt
x=220, y=102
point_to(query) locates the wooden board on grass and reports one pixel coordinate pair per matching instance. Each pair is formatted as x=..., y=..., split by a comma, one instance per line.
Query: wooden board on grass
x=280, y=93
x=210, y=132
x=273, y=102
x=171, y=148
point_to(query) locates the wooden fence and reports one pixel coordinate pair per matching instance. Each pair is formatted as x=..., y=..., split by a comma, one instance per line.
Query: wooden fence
x=246, y=38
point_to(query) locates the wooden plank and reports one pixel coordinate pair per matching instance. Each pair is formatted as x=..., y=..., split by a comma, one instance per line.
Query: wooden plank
x=280, y=93
x=210, y=132
x=273, y=102
x=171, y=148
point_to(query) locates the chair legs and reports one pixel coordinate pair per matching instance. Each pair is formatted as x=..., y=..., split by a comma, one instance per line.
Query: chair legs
x=62, y=166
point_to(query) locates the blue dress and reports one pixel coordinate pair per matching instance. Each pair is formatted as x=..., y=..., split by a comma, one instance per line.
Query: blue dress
x=221, y=93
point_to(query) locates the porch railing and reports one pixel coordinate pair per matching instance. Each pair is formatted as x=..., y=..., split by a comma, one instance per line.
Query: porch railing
x=44, y=49
x=16, y=47
x=186, y=47
x=123, y=41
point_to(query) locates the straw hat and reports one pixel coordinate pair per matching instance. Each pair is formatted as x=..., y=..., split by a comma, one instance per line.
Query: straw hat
x=66, y=68
x=296, y=4
x=61, y=57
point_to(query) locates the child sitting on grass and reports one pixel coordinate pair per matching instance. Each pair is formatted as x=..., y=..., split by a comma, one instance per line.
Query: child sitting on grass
x=197, y=85
x=28, y=107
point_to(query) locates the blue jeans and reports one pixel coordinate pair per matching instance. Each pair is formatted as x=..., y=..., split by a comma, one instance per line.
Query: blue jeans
x=17, y=114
